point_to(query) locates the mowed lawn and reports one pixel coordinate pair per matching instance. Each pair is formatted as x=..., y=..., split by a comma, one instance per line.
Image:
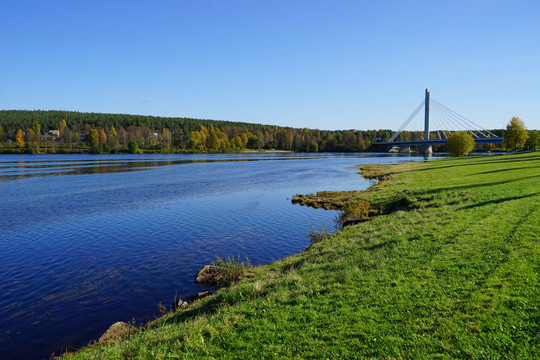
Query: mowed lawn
x=451, y=272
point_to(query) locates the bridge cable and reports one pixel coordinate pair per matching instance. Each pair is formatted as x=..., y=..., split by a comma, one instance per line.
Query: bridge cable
x=478, y=126
x=437, y=118
x=454, y=124
x=468, y=123
x=456, y=120
x=439, y=123
x=415, y=112
x=446, y=124
x=443, y=123
x=452, y=121
x=464, y=120
x=466, y=126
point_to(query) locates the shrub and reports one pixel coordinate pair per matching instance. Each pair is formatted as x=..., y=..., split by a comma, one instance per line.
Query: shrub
x=355, y=210
x=231, y=269
x=460, y=143
x=316, y=236
x=133, y=147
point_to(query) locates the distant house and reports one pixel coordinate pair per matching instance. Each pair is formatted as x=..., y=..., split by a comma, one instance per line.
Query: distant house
x=55, y=133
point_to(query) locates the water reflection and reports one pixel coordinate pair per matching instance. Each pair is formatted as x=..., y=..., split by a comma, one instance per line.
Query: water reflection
x=108, y=164
x=26, y=169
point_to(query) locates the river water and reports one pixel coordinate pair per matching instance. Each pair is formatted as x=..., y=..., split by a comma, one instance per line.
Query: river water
x=89, y=240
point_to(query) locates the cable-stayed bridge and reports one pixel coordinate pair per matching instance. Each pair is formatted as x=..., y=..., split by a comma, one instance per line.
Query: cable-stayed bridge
x=445, y=121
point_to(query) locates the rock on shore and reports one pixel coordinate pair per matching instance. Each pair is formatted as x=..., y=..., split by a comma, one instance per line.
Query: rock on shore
x=208, y=275
x=115, y=331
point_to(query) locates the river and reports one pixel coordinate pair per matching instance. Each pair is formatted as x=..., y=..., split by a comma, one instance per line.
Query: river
x=89, y=240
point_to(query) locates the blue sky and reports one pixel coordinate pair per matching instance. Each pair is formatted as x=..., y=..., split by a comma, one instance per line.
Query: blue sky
x=316, y=64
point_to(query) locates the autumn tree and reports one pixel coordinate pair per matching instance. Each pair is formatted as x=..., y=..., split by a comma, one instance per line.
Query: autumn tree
x=92, y=139
x=197, y=140
x=349, y=139
x=122, y=137
x=460, y=143
x=31, y=143
x=212, y=141
x=284, y=139
x=515, y=135
x=29, y=135
x=237, y=142
x=36, y=126
x=112, y=139
x=102, y=136
x=252, y=142
x=223, y=141
x=134, y=133
x=69, y=136
x=166, y=138
x=19, y=138
x=62, y=126
x=146, y=134
x=260, y=139
x=312, y=147
x=245, y=138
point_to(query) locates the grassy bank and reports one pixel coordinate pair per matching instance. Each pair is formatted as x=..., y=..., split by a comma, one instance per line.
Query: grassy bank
x=450, y=270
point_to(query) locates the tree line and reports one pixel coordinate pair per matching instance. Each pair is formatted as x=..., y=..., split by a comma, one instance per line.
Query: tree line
x=41, y=131
x=64, y=131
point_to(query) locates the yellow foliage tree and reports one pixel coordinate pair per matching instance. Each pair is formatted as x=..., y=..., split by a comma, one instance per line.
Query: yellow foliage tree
x=198, y=140
x=30, y=135
x=62, y=126
x=102, y=137
x=460, y=143
x=19, y=138
x=212, y=141
x=515, y=135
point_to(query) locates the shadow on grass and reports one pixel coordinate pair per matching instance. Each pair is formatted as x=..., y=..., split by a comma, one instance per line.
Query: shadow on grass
x=503, y=170
x=210, y=306
x=466, y=187
x=486, y=161
x=498, y=201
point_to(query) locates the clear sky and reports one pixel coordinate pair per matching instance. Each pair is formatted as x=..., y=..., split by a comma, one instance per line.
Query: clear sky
x=302, y=63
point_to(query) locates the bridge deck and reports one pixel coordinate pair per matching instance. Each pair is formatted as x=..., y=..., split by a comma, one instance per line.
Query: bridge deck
x=438, y=142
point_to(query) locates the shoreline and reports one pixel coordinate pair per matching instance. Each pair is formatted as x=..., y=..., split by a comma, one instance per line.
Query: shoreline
x=398, y=270
x=120, y=328
x=211, y=280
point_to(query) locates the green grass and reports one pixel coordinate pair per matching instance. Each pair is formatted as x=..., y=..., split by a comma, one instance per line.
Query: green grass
x=450, y=271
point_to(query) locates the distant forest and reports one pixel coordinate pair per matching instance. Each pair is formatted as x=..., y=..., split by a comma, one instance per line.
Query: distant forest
x=40, y=131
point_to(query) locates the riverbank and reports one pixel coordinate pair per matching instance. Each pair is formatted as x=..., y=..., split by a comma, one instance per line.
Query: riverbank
x=450, y=270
